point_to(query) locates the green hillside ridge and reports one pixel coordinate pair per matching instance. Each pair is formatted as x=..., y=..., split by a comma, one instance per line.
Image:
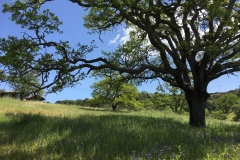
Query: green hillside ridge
x=235, y=91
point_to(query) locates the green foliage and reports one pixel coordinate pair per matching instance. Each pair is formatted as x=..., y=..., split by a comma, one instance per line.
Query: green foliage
x=78, y=102
x=225, y=102
x=66, y=102
x=145, y=99
x=236, y=110
x=96, y=102
x=173, y=97
x=219, y=115
x=27, y=85
x=32, y=49
x=158, y=101
x=143, y=95
x=127, y=97
x=3, y=76
x=25, y=13
x=211, y=105
x=147, y=103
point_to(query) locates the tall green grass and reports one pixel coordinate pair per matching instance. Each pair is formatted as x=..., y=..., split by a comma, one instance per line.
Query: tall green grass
x=34, y=130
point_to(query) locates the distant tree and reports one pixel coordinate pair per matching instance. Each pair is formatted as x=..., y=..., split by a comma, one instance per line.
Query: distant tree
x=173, y=97
x=80, y=102
x=97, y=102
x=143, y=95
x=158, y=100
x=66, y=102
x=145, y=99
x=128, y=97
x=58, y=102
x=147, y=104
x=225, y=102
x=70, y=102
x=85, y=101
x=211, y=105
x=113, y=91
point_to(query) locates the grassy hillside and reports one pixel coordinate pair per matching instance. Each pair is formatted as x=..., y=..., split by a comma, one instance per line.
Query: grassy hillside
x=34, y=130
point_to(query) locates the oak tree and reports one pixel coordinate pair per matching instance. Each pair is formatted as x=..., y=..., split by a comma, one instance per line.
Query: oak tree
x=190, y=44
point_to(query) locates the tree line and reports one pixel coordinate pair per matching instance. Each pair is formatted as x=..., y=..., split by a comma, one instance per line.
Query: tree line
x=111, y=92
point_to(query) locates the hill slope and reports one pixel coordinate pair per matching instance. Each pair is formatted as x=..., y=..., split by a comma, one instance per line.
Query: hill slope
x=33, y=130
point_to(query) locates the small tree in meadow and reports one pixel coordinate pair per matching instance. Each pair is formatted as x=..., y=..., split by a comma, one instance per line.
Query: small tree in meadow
x=112, y=91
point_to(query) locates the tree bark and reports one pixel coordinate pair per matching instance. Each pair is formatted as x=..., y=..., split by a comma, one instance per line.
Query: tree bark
x=197, y=104
x=114, y=106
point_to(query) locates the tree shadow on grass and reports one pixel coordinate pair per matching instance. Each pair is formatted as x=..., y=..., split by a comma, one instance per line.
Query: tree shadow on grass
x=29, y=136
x=105, y=109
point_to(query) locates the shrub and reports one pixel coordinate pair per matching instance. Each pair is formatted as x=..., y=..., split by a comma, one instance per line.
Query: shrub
x=219, y=115
x=236, y=111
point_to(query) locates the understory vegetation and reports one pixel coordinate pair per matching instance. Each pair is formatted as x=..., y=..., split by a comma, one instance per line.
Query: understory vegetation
x=35, y=130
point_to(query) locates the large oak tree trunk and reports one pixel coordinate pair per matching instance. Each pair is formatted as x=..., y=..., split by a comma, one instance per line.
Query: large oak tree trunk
x=197, y=104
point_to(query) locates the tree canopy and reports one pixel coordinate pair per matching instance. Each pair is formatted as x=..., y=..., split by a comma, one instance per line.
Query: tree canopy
x=22, y=85
x=185, y=43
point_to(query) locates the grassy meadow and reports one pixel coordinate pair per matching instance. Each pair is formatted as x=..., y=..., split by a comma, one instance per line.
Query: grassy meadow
x=35, y=130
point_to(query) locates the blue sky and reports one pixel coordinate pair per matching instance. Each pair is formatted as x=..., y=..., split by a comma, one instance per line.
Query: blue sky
x=73, y=31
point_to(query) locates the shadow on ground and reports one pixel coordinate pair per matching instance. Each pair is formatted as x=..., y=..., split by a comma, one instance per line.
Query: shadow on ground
x=105, y=137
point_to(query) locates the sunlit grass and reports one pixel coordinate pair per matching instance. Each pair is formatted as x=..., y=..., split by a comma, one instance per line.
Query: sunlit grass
x=36, y=130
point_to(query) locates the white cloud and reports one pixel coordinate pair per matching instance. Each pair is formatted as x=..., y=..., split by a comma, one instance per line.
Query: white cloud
x=126, y=36
x=113, y=41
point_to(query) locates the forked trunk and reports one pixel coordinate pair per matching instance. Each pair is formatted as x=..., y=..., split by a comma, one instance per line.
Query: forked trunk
x=197, y=104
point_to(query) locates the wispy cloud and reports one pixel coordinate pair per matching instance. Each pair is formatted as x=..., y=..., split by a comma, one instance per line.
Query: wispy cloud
x=122, y=37
x=126, y=35
x=113, y=41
